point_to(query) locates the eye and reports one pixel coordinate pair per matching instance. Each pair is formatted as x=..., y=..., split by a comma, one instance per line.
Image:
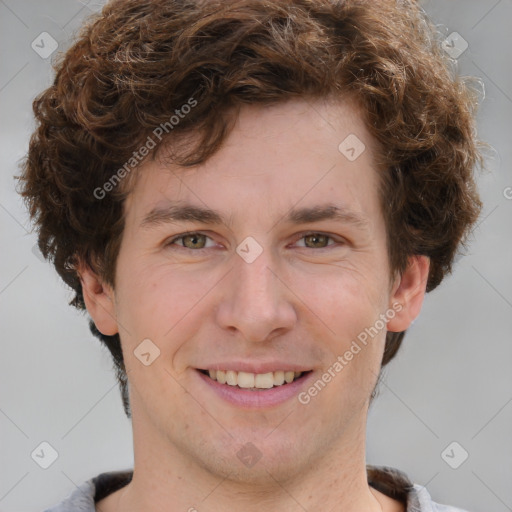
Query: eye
x=316, y=240
x=190, y=241
x=195, y=240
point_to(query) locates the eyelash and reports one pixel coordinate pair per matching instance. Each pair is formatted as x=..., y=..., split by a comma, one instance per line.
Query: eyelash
x=303, y=235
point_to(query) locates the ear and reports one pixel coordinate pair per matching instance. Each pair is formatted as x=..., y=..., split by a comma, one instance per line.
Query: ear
x=99, y=300
x=408, y=291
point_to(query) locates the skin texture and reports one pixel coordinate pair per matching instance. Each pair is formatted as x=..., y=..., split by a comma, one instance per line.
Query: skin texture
x=301, y=301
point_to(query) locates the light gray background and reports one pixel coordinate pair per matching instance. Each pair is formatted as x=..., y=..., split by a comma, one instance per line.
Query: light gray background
x=450, y=382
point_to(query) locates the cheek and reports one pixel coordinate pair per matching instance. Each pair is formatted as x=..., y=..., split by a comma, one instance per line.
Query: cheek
x=154, y=309
x=347, y=306
x=344, y=301
x=352, y=337
x=158, y=302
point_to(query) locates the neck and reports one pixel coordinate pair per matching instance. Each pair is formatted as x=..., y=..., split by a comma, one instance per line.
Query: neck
x=166, y=479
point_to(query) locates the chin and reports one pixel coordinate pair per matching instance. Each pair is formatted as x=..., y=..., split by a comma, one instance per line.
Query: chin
x=256, y=462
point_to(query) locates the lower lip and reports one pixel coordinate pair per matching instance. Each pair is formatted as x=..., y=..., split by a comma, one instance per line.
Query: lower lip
x=256, y=399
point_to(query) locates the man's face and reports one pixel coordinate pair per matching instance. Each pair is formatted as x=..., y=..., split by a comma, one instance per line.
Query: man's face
x=213, y=301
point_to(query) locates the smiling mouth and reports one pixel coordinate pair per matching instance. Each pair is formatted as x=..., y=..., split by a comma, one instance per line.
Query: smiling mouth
x=254, y=381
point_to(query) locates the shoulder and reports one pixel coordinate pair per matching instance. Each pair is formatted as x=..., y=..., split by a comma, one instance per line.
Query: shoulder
x=80, y=500
x=85, y=497
x=419, y=500
x=396, y=484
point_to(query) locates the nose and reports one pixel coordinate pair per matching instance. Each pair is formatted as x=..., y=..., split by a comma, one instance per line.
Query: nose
x=256, y=301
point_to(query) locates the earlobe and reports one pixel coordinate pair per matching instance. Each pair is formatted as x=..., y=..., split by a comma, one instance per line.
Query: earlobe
x=409, y=292
x=99, y=300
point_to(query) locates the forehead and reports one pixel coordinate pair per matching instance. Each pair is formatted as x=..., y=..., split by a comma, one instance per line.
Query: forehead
x=307, y=151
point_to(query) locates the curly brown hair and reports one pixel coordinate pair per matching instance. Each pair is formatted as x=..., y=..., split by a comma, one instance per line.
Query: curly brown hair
x=132, y=65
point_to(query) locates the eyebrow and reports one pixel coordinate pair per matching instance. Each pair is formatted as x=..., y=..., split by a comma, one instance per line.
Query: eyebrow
x=176, y=212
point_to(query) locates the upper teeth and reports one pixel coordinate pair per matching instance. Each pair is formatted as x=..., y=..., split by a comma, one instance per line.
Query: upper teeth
x=253, y=380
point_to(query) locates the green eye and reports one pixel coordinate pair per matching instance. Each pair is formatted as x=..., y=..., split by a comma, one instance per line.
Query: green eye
x=317, y=239
x=191, y=240
x=314, y=240
x=196, y=240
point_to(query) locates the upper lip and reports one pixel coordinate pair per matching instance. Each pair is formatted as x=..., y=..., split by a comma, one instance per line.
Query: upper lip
x=255, y=367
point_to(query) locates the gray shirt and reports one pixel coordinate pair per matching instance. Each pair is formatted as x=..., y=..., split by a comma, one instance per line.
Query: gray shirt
x=389, y=481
